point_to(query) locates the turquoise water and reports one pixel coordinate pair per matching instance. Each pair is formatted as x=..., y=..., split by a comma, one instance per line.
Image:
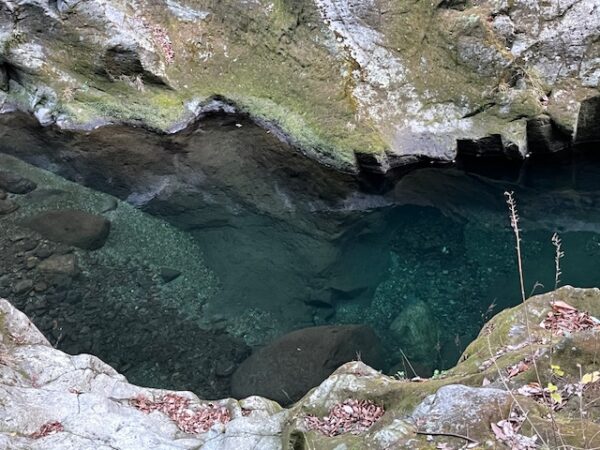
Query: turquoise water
x=425, y=259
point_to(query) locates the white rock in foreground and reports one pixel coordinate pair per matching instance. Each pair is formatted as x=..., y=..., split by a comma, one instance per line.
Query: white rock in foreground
x=41, y=385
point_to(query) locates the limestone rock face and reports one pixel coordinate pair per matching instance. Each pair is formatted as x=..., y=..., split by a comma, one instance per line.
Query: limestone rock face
x=91, y=403
x=84, y=404
x=78, y=228
x=291, y=365
x=353, y=83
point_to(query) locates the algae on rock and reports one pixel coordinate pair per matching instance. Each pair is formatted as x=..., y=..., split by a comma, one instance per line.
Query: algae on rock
x=349, y=83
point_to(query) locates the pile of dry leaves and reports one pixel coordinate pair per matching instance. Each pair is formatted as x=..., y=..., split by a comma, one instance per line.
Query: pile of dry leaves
x=350, y=416
x=189, y=419
x=47, y=429
x=565, y=319
x=507, y=432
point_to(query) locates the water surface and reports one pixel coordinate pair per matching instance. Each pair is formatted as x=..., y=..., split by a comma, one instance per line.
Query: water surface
x=424, y=259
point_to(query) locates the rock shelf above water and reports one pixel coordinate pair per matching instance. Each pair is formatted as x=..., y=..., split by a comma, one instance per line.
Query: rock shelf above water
x=355, y=85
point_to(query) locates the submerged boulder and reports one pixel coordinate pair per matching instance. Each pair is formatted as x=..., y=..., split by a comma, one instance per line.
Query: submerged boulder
x=7, y=207
x=416, y=332
x=296, y=362
x=15, y=184
x=78, y=228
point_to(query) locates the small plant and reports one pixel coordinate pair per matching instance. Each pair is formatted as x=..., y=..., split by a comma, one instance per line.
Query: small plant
x=439, y=374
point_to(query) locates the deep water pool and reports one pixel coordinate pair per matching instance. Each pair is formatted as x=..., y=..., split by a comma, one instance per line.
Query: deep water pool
x=268, y=242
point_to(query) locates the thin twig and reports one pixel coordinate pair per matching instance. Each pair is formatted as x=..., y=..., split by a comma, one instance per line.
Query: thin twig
x=439, y=433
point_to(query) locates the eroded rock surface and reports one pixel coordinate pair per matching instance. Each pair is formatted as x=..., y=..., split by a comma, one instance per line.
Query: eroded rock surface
x=389, y=81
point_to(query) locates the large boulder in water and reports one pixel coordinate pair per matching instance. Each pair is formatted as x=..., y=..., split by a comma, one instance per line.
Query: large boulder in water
x=296, y=362
x=78, y=228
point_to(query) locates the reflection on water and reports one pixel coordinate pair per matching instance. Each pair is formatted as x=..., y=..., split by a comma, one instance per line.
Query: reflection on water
x=424, y=261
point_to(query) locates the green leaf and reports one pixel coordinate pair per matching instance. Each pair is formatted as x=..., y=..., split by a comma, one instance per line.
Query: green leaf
x=556, y=370
x=552, y=387
x=556, y=397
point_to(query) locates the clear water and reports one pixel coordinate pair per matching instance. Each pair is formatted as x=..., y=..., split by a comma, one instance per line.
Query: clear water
x=424, y=259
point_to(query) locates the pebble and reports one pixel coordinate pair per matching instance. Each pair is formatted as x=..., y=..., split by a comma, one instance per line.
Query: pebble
x=29, y=244
x=40, y=286
x=167, y=274
x=22, y=286
x=43, y=251
x=31, y=262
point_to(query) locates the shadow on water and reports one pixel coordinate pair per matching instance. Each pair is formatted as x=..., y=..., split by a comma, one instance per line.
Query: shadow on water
x=424, y=259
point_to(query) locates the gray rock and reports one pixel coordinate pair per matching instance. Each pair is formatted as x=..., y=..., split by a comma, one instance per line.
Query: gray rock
x=3, y=78
x=476, y=408
x=7, y=207
x=92, y=402
x=22, y=286
x=416, y=333
x=60, y=264
x=543, y=136
x=296, y=362
x=588, y=123
x=167, y=274
x=15, y=184
x=77, y=228
x=481, y=66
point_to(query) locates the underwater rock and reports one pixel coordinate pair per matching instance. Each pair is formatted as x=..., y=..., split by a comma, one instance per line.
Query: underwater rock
x=287, y=368
x=416, y=332
x=22, y=286
x=7, y=207
x=15, y=184
x=78, y=228
x=60, y=264
x=167, y=274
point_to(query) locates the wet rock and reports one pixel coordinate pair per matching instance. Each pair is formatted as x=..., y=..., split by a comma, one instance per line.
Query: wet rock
x=28, y=244
x=78, y=228
x=31, y=262
x=2, y=195
x=109, y=204
x=296, y=362
x=167, y=274
x=43, y=251
x=225, y=368
x=15, y=184
x=415, y=332
x=7, y=207
x=22, y=286
x=40, y=286
x=60, y=264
